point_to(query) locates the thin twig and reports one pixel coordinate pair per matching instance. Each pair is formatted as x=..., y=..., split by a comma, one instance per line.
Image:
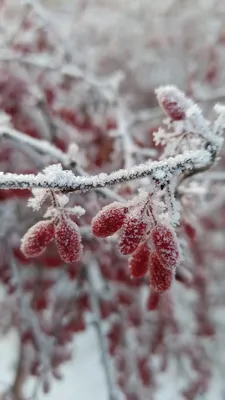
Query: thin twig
x=16, y=389
x=100, y=335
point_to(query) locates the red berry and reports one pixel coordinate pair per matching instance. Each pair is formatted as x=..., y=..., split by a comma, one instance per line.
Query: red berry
x=124, y=298
x=132, y=234
x=190, y=231
x=144, y=371
x=165, y=245
x=160, y=277
x=51, y=261
x=174, y=111
x=138, y=264
x=106, y=308
x=68, y=240
x=109, y=220
x=19, y=256
x=75, y=325
x=27, y=336
x=40, y=303
x=37, y=238
x=153, y=300
x=173, y=102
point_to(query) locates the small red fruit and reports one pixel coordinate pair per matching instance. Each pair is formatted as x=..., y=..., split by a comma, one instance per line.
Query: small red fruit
x=173, y=109
x=109, y=220
x=40, y=303
x=160, y=277
x=165, y=245
x=153, y=300
x=173, y=102
x=37, y=238
x=68, y=240
x=190, y=231
x=138, y=264
x=131, y=235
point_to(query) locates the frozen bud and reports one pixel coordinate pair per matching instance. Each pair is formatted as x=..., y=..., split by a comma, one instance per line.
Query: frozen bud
x=37, y=238
x=131, y=235
x=172, y=101
x=109, y=220
x=139, y=261
x=160, y=277
x=166, y=246
x=68, y=240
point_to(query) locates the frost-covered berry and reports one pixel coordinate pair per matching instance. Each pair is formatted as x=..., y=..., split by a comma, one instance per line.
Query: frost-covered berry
x=68, y=240
x=166, y=246
x=36, y=239
x=160, y=277
x=132, y=234
x=109, y=220
x=139, y=261
x=173, y=109
x=172, y=101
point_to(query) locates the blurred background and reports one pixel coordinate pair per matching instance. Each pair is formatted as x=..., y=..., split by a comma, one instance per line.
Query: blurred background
x=71, y=72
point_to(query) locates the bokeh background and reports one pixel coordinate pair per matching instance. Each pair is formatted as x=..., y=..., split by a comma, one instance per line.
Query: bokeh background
x=66, y=68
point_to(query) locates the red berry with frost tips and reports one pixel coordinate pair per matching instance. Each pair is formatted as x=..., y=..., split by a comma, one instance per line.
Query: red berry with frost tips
x=139, y=261
x=160, y=277
x=68, y=240
x=109, y=220
x=165, y=245
x=132, y=234
x=37, y=238
x=173, y=109
x=173, y=102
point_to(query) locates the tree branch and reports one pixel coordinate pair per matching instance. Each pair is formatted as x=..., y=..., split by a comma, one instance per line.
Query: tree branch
x=41, y=146
x=17, y=388
x=44, y=147
x=68, y=182
x=161, y=173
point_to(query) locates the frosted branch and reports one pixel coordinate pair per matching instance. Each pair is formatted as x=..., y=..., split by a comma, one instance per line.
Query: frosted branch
x=160, y=172
x=44, y=147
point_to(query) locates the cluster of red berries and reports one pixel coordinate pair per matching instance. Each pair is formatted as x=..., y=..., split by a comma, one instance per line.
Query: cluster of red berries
x=63, y=230
x=153, y=248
